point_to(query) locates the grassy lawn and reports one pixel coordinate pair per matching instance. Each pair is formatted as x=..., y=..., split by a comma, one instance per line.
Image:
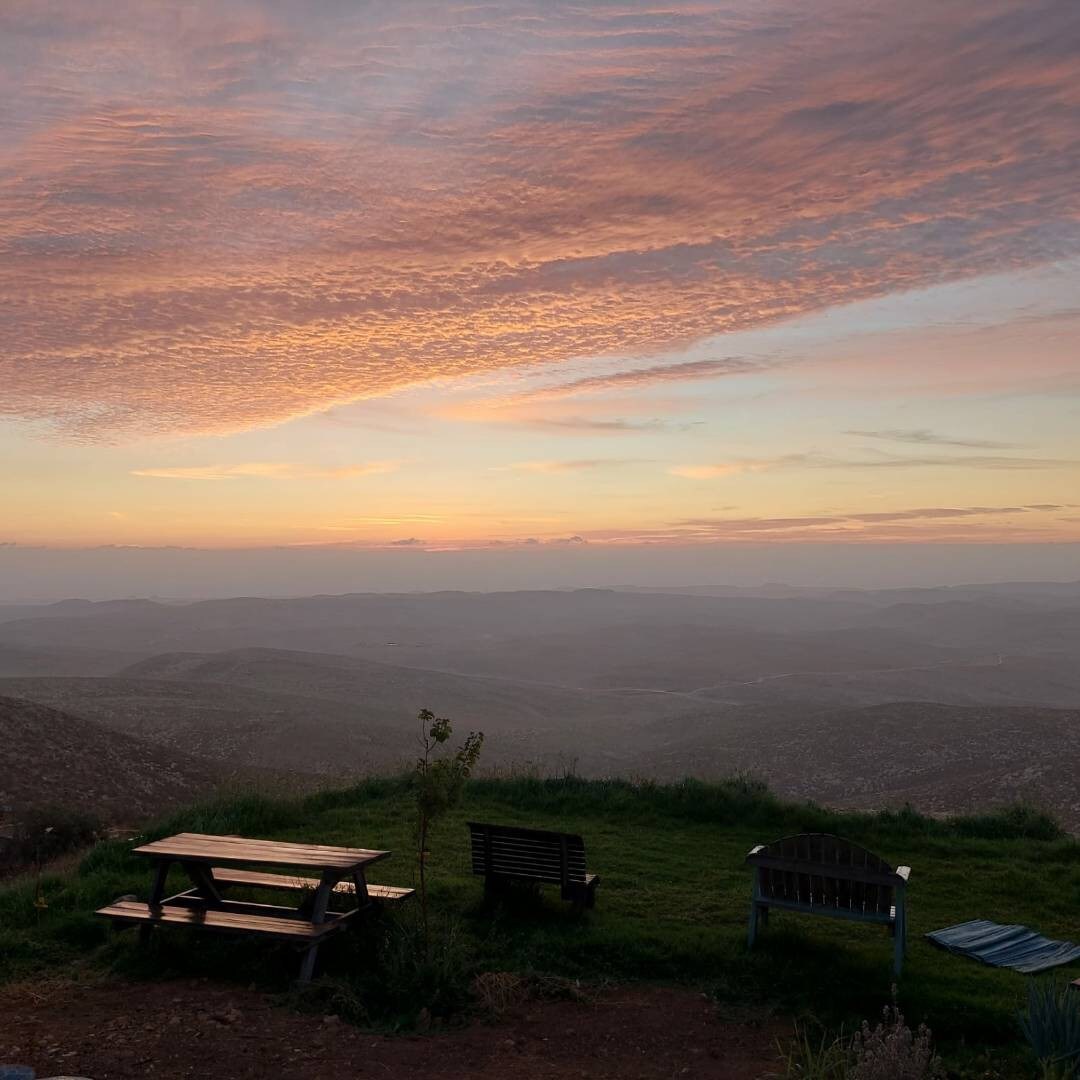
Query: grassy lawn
x=671, y=907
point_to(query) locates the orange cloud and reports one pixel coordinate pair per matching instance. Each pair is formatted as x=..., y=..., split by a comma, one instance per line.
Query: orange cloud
x=724, y=468
x=972, y=524
x=560, y=466
x=268, y=470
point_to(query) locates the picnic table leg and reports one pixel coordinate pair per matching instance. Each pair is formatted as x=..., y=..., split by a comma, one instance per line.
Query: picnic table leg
x=157, y=894
x=318, y=916
x=363, y=897
x=203, y=880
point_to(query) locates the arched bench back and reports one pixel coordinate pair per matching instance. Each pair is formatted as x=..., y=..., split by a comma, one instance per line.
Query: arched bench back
x=818, y=870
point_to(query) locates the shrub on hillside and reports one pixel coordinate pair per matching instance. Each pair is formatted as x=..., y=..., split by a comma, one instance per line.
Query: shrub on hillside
x=889, y=1051
x=892, y=1051
x=43, y=833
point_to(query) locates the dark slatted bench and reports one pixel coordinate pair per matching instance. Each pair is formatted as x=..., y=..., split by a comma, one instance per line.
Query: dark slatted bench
x=506, y=853
x=819, y=874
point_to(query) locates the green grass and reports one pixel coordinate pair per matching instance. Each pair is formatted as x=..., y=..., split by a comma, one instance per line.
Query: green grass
x=671, y=907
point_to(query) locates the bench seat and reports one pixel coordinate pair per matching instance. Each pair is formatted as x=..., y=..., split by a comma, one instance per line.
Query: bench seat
x=253, y=879
x=291, y=929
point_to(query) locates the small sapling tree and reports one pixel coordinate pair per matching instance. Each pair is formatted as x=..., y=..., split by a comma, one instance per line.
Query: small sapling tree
x=438, y=783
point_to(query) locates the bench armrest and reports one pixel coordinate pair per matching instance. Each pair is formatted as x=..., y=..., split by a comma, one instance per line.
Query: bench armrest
x=903, y=872
x=755, y=850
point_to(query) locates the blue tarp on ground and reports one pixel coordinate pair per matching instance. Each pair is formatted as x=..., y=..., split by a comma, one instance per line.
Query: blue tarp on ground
x=1014, y=947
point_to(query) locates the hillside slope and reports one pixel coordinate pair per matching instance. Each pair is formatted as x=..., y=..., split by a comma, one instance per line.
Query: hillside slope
x=671, y=908
x=17, y=660
x=336, y=714
x=234, y=725
x=48, y=757
x=941, y=758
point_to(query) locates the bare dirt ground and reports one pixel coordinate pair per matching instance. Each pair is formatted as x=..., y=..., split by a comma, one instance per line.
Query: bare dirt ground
x=132, y=1031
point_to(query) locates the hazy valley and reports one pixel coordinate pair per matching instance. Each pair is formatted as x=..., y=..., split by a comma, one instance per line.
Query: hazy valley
x=951, y=698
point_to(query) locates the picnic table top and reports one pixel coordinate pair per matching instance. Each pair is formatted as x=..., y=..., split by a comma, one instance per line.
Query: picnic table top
x=240, y=851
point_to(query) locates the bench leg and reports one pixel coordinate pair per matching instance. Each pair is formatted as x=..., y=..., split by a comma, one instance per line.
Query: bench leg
x=759, y=919
x=899, y=935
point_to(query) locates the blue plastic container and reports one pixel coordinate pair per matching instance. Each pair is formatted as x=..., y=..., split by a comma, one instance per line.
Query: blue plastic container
x=16, y=1072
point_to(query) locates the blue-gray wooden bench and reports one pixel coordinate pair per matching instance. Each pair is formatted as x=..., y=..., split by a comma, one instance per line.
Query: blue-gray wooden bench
x=819, y=874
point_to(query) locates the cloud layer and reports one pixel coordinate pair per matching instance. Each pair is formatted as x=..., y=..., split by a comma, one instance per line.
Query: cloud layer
x=218, y=216
x=871, y=459
x=267, y=470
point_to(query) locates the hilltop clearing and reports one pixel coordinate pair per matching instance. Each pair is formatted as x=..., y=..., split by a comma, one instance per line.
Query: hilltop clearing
x=671, y=908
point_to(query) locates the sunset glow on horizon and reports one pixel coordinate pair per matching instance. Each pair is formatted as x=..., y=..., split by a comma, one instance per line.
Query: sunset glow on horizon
x=472, y=275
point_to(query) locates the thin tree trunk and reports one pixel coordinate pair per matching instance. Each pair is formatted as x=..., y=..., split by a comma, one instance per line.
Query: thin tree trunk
x=423, y=883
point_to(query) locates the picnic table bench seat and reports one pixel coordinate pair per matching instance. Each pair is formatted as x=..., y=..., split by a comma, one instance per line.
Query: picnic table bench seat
x=299, y=930
x=821, y=874
x=385, y=894
x=508, y=853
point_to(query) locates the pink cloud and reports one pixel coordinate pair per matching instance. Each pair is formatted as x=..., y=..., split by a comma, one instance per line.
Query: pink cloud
x=212, y=219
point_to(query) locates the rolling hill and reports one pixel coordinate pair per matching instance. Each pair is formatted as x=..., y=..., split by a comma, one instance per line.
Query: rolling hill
x=49, y=758
x=337, y=714
x=975, y=689
x=21, y=660
x=940, y=758
x=603, y=638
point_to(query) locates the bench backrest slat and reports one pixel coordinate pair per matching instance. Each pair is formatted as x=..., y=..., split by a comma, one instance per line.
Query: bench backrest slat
x=823, y=871
x=536, y=854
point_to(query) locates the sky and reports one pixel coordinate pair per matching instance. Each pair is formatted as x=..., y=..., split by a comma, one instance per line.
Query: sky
x=330, y=275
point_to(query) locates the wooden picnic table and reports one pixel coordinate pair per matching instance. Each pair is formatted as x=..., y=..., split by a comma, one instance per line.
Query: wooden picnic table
x=214, y=863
